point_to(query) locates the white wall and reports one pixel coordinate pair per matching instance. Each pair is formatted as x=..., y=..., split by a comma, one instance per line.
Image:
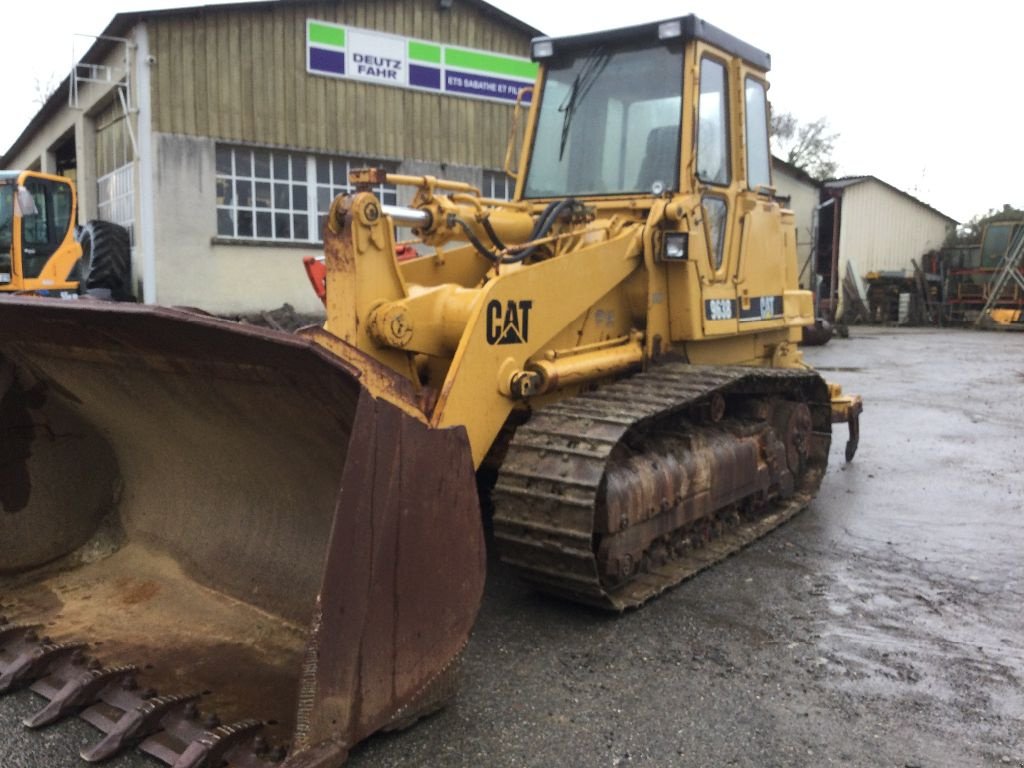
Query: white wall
x=191, y=269
x=883, y=230
x=194, y=269
x=804, y=198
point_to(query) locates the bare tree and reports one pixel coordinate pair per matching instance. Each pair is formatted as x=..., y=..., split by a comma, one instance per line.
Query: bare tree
x=44, y=89
x=808, y=146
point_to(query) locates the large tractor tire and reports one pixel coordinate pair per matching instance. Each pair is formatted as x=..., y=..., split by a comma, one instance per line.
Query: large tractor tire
x=105, y=269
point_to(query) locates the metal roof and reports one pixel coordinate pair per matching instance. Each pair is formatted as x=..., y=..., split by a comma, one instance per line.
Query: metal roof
x=691, y=28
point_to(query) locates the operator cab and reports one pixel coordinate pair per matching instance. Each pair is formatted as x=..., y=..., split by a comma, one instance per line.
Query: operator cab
x=612, y=113
x=37, y=247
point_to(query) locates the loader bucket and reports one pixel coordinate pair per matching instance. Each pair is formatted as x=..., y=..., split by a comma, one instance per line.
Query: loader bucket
x=265, y=535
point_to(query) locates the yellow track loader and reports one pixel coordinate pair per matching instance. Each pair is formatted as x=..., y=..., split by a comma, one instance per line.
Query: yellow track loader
x=198, y=515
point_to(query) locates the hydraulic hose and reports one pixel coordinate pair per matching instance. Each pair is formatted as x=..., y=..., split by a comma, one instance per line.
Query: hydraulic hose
x=541, y=228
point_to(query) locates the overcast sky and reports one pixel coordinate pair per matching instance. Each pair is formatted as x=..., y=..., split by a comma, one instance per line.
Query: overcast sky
x=927, y=99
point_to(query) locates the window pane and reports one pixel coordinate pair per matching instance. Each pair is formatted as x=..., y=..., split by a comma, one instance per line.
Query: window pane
x=35, y=229
x=715, y=209
x=281, y=197
x=263, y=225
x=245, y=223
x=262, y=194
x=299, y=198
x=224, y=196
x=262, y=161
x=61, y=210
x=323, y=170
x=280, y=165
x=243, y=192
x=243, y=162
x=713, y=126
x=323, y=198
x=298, y=168
x=758, y=164
x=609, y=122
x=282, y=226
x=224, y=160
x=300, y=226
x=225, y=223
x=340, y=170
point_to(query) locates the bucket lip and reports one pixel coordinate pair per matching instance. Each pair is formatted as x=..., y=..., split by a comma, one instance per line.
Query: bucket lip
x=103, y=324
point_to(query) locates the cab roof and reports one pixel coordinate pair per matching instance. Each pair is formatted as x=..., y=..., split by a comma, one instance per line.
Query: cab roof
x=689, y=28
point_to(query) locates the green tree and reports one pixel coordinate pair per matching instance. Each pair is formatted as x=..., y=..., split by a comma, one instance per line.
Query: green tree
x=808, y=146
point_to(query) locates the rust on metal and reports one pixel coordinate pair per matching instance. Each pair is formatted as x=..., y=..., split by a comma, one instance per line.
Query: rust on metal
x=613, y=496
x=233, y=503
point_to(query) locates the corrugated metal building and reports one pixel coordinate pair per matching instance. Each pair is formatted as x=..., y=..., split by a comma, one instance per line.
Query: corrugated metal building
x=866, y=225
x=220, y=134
x=802, y=194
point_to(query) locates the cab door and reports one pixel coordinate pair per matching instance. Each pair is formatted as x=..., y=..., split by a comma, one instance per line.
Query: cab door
x=715, y=182
x=760, y=273
x=44, y=250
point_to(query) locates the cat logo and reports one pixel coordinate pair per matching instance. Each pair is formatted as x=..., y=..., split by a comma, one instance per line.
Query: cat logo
x=509, y=324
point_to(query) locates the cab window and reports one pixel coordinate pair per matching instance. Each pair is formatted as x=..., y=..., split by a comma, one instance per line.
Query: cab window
x=758, y=160
x=713, y=124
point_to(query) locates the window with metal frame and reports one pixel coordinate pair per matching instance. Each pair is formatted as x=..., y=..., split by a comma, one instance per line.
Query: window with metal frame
x=713, y=124
x=115, y=198
x=759, y=172
x=265, y=194
x=262, y=194
x=498, y=185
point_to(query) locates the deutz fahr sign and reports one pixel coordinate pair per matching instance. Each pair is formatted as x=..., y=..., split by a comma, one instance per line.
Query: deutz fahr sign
x=361, y=54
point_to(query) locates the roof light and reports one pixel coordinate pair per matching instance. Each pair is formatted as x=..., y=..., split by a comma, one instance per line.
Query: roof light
x=670, y=29
x=543, y=49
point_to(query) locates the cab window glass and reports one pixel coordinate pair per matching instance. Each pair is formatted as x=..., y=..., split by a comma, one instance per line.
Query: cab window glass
x=61, y=211
x=35, y=227
x=758, y=163
x=713, y=124
x=715, y=211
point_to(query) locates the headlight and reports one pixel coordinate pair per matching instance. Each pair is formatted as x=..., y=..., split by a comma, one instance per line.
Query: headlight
x=676, y=246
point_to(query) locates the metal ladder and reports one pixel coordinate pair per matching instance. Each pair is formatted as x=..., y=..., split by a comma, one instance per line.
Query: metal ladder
x=1009, y=269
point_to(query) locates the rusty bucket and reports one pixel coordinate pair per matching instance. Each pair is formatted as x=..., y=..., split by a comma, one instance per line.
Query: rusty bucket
x=220, y=542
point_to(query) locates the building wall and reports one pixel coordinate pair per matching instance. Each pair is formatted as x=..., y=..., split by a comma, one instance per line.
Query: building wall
x=882, y=230
x=196, y=268
x=237, y=78
x=804, y=197
x=240, y=75
x=226, y=279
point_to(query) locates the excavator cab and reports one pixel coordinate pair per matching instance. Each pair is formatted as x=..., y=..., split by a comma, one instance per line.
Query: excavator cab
x=38, y=249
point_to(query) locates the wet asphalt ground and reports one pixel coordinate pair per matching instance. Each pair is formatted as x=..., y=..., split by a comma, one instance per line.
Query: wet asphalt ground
x=884, y=626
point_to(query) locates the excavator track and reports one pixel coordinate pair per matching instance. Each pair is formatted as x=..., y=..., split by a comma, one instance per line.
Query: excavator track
x=610, y=497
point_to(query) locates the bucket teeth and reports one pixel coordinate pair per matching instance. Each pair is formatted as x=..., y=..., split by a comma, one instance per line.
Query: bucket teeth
x=212, y=747
x=81, y=690
x=33, y=663
x=12, y=631
x=137, y=724
x=170, y=728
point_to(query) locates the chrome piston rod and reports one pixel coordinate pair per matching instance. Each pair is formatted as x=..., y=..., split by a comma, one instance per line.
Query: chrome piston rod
x=408, y=217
